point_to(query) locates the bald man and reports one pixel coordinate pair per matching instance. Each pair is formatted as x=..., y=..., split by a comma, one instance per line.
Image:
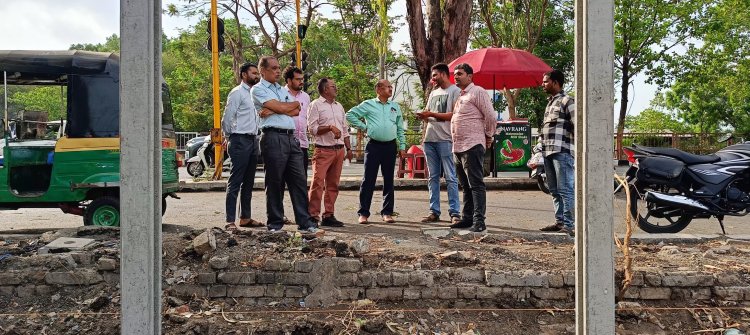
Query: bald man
x=382, y=121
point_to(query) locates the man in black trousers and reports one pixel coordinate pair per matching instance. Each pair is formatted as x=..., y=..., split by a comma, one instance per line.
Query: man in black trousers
x=281, y=151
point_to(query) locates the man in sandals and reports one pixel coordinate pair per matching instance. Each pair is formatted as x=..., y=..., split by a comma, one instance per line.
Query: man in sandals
x=240, y=127
x=384, y=125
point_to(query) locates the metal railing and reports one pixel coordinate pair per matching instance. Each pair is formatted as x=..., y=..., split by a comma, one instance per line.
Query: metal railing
x=181, y=137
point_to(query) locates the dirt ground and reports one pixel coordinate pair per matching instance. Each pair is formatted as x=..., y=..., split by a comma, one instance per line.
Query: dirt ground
x=96, y=310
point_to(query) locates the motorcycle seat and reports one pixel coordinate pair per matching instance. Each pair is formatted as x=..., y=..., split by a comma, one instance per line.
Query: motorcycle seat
x=685, y=157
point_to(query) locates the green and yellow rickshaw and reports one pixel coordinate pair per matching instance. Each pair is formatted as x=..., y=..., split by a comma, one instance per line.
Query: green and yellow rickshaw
x=79, y=172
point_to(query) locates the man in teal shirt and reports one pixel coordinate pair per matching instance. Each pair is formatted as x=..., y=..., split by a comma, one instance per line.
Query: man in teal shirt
x=383, y=123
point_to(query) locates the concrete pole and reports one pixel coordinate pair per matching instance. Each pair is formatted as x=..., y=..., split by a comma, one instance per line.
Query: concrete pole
x=140, y=166
x=594, y=62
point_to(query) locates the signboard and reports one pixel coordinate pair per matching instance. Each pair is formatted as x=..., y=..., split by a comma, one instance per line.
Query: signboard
x=512, y=145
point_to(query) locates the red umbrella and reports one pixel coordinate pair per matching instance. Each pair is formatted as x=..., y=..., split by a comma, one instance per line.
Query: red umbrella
x=499, y=68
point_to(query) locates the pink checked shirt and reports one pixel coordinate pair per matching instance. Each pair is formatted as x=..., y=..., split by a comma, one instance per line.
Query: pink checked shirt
x=473, y=120
x=324, y=113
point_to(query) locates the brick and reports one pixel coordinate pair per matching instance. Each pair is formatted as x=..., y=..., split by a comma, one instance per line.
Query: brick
x=111, y=278
x=430, y=292
x=189, y=290
x=551, y=293
x=44, y=290
x=517, y=293
x=84, y=259
x=652, y=279
x=25, y=291
x=449, y=292
x=366, y=279
x=346, y=279
x=468, y=275
x=637, y=279
x=274, y=291
x=11, y=278
x=488, y=293
x=683, y=280
x=731, y=293
x=654, y=293
x=400, y=278
x=237, y=277
x=420, y=278
x=728, y=280
x=556, y=280
x=632, y=293
x=295, y=291
x=439, y=276
x=569, y=278
x=205, y=242
x=530, y=278
x=411, y=293
x=35, y=276
x=303, y=266
x=496, y=279
x=6, y=291
x=691, y=293
x=107, y=264
x=385, y=294
x=383, y=279
x=217, y=291
x=80, y=277
x=351, y=294
x=265, y=278
x=277, y=265
x=467, y=292
x=349, y=265
x=293, y=278
x=206, y=278
x=246, y=291
x=219, y=262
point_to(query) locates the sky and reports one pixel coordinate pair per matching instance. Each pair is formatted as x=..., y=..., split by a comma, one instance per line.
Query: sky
x=55, y=25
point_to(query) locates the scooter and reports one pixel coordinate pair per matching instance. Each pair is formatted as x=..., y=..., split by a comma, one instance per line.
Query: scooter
x=204, y=158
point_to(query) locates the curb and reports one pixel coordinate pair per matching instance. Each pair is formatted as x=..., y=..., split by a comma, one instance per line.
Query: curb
x=353, y=184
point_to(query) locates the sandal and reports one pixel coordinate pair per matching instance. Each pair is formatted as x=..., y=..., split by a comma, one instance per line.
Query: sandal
x=231, y=227
x=251, y=223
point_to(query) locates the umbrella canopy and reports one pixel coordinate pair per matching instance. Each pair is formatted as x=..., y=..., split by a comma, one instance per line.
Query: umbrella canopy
x=499, y=68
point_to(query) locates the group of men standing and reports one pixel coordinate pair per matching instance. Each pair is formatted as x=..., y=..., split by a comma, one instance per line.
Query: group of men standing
x=460, y=124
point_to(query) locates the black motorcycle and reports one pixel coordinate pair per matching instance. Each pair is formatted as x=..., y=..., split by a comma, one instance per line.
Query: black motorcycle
x=673, y=187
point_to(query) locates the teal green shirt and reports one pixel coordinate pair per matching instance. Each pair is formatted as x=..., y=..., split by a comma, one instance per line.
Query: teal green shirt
x=382, y=121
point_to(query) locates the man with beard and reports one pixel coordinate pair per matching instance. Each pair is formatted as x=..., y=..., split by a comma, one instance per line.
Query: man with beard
x=240, y=126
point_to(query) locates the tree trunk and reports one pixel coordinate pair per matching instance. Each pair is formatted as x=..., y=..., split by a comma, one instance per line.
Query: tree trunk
x=623, y=105
x=449, y=28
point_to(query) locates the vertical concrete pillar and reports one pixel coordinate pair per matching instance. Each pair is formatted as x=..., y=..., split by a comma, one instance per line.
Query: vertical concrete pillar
x=594, y=63
x=140, y=166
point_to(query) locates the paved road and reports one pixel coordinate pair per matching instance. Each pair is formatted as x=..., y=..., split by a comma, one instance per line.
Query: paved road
x=514, y=210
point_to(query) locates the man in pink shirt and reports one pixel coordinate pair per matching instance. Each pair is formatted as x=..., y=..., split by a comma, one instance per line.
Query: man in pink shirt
x=326, y=121
x=295, y=79
x=472, y=127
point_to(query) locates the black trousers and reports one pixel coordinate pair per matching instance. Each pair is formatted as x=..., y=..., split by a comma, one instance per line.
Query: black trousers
x=243, y=149
x=469, y=165
x=283, y=161
x=378, y=155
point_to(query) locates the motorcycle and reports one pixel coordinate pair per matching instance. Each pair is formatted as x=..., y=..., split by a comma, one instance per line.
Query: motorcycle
x=674, y=187
x=204, y=158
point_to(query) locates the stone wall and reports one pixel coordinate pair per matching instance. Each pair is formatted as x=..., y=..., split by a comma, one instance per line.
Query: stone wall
x=330, y=280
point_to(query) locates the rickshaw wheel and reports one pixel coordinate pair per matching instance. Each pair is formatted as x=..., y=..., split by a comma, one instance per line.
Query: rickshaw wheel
x=103, y=211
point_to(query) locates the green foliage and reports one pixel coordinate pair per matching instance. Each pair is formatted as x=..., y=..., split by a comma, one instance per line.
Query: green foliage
x=653, y=121
x=708, y=89
x=50, y=99
x=112, y=44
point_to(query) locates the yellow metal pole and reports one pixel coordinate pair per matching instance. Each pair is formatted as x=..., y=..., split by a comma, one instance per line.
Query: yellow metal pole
x=216, y=131
x=299, y=41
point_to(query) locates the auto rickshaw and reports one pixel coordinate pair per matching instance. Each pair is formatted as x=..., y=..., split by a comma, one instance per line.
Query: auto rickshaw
x=78, y=172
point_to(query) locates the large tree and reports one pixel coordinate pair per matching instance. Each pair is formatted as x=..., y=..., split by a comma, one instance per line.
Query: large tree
x=444, y=37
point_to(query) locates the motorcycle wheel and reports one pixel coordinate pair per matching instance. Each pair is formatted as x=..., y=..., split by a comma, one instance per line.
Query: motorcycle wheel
x=664, y=221
x=542, y=183
x=195, y=169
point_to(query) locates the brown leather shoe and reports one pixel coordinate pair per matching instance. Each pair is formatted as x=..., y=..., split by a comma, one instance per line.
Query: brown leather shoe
x=251, y=223
x=554, y=227
x=363, y=219
x=388, y=219
x=430, y=218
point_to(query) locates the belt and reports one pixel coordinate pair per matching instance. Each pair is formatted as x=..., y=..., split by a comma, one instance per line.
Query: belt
x=332, y=147
x=382, y=142
x=279, y=130
x=240, y=134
